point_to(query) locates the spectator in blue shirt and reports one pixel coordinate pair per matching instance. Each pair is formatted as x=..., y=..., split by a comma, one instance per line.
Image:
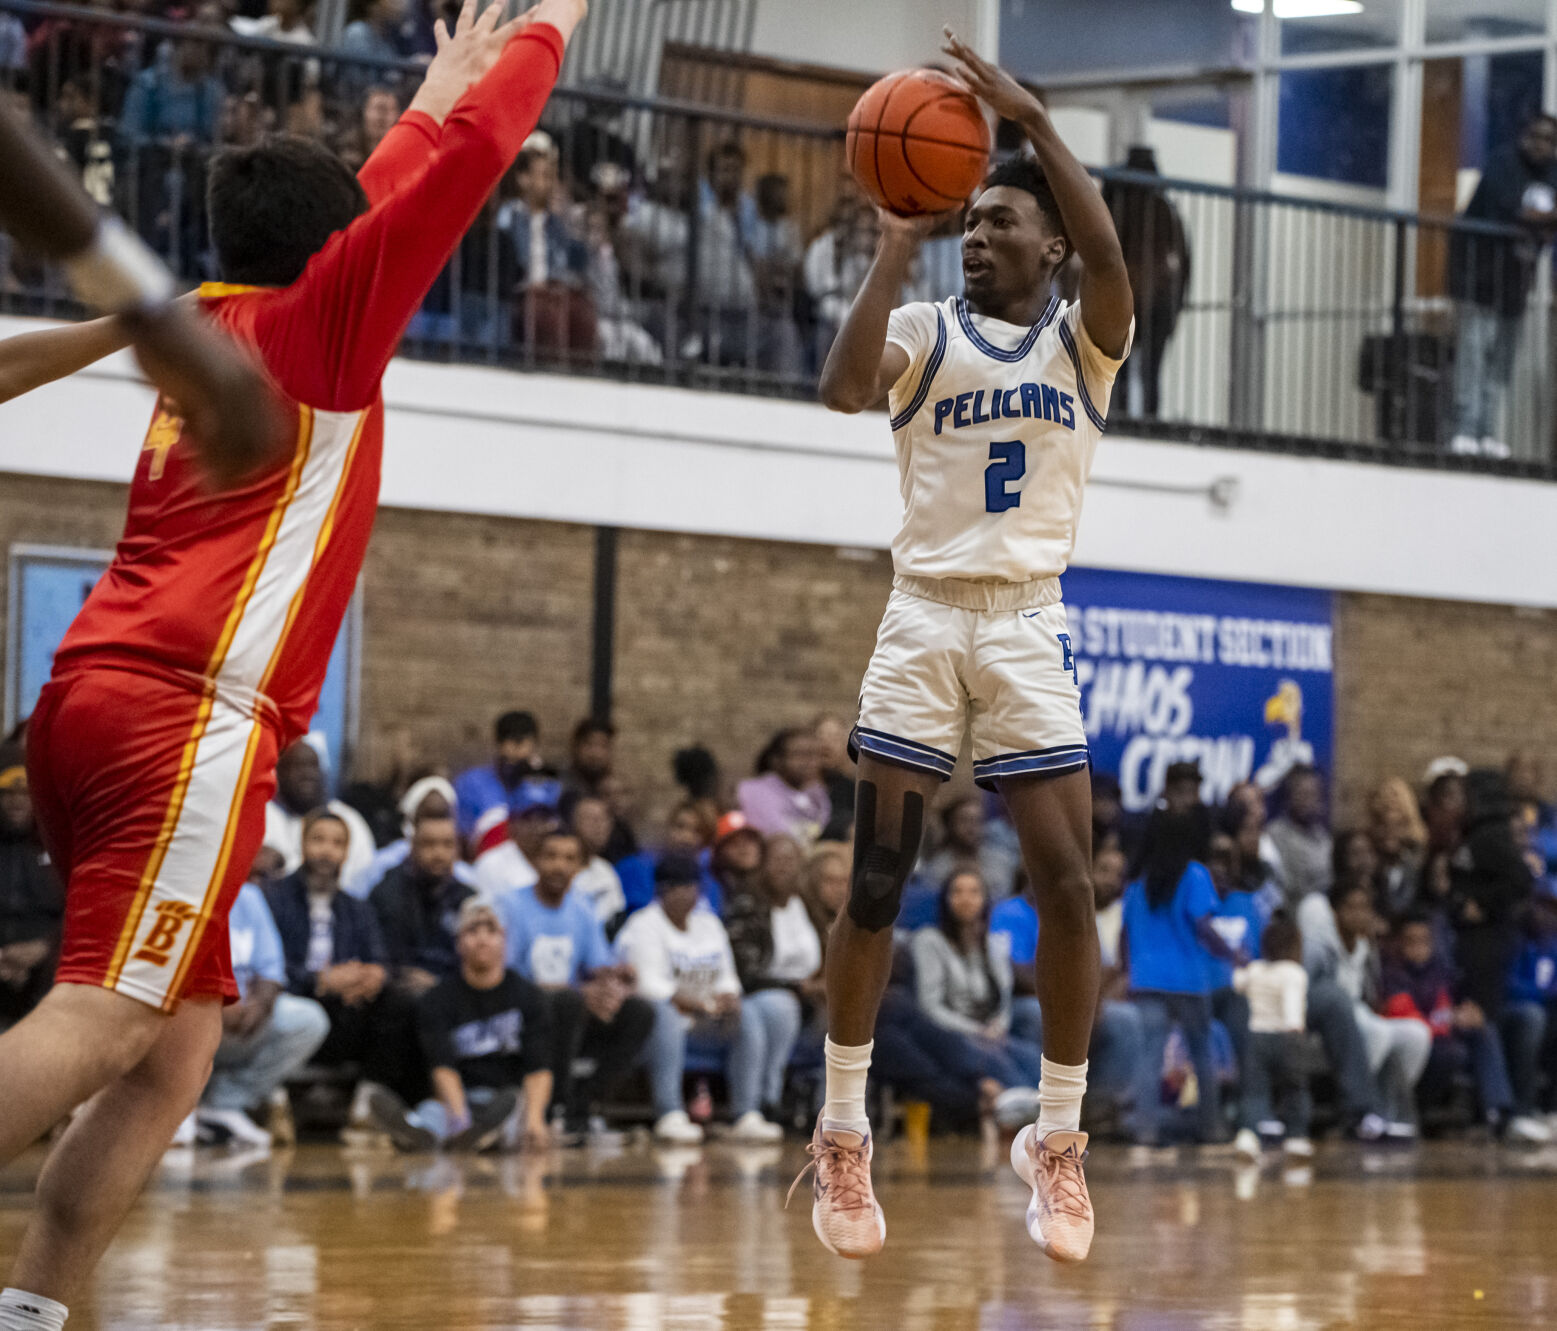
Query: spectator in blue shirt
x=516, y=757
x=1530, y=1017
x=1239, y=920
x=1170, y=940
x=267, y=1035
x=556, y=942
x=175, y=100
x=689, y=831
x=431, y=797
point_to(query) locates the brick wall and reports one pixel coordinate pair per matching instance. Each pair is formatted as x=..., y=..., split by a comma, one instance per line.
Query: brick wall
x=722, y=641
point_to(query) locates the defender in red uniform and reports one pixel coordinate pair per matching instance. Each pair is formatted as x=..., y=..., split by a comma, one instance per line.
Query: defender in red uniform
x=202, y=651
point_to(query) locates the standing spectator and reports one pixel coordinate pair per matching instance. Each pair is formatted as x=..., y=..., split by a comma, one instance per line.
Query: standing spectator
x=516, y=758
x=283, y=21
x=13, y=50
x=1169, y=941
x=555, y=313
x=620, y=335
x=653, y=241
x=555, y=941
x=773, y=249
x=1530, y=1017
x=1490, y=277
x=300, y=790
x=507, y=864
x=428, y=796
x=1443, y=812
x=32, y=902
x=787, y=796
x=590, y=757
x=334, y=955
x=778, y=957
x=487, y=1036
x=1239, y=920
x=1490, y=885
x=1399, y=839
x=936, y=272
x=598, y=883
x=1276, y=988
x=176, y=101
x=836, y=263
x=1253, y=871
x=417, y=905
x=682, y=958
x=378, y=33
x=964, y=984
x=267, y=1035
x=1157, y=254
x=1301, y=838
x=964, y=845
x=379, y=109
x=1418, y=983
x=1338, y=930
x=832, y=741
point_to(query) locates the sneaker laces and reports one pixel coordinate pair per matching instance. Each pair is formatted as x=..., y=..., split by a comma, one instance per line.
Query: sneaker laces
x=1065, y=1183
x=850, y=1183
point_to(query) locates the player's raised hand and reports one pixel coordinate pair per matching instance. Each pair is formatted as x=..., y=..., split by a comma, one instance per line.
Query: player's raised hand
x=465, y=55
x=1007, y=98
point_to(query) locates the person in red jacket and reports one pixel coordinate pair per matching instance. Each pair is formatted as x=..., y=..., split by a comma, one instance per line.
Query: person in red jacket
x=201, y=652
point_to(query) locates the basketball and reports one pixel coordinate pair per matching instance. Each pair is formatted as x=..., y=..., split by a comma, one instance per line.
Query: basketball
x=918, y=142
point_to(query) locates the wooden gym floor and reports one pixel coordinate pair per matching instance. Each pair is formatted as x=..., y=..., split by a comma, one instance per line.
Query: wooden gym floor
x=1448, y=1236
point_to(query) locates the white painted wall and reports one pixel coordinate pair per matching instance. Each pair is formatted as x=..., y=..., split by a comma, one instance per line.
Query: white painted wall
x=463, y=439
x=866, y=35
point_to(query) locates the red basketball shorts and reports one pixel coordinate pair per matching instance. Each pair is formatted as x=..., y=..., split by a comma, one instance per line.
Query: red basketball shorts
x=151, y=801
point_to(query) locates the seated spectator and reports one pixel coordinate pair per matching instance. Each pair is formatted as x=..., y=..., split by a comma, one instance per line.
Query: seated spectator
x=787, y=796
x=1530, y=1018
x=32, y=901
x=1527, y=785
x=486, y=1035
x=778, y=957
x=379, y=109
x=416, y=905
x=1275, y=1061
x=1169, y=940
x=827, y=886
x=267, y=1035
x=682, y=957
x=516, y=759
x=555, y=941
x=333, y=953
x=1352, y=860
x=690, y=830
x=1117, y=1032
x=1301, y=837
x=283, y=21
x=964, y=984
x=1444, y=808
x=597, y=883
x=1254, y=855
x=300, y=789
x=1419, y=983
x=591, y=772
x=620, y=336
x=735, y=864
x=555, y=313
x=964, y=846
x=1338, y=932
x=1399, y=839
x=431, y=796
x=505, y=857
x=1490, y=887
x=652, y=244
x=832, y=742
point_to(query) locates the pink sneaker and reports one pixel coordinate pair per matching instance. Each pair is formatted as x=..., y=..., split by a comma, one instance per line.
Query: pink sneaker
x=844, y=1212
x=1059, y=1217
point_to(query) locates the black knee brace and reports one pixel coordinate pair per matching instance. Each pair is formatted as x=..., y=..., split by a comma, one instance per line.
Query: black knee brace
x=876, y=888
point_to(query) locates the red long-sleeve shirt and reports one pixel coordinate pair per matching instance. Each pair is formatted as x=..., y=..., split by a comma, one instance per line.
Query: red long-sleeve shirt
x=241, y=594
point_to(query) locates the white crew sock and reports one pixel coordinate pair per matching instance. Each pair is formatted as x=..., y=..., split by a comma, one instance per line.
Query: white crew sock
x=848, y=1066
x=21, y=1311
x=1060, y=1090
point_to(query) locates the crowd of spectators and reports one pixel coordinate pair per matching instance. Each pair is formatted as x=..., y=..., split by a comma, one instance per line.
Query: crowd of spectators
x=617, y=237
x=509, y=957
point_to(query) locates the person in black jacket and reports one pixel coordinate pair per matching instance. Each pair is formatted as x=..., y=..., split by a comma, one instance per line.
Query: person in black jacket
x=1490, y=887
x=417, y=904
x=334, y=954
x=32, y=903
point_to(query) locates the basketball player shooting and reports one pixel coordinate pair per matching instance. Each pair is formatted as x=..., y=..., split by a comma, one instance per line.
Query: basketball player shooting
x=997, y=402
x=201, y=652
x=231, y=411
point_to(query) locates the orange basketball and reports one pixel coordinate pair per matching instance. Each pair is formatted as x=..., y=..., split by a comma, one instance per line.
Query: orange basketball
x=918, y=142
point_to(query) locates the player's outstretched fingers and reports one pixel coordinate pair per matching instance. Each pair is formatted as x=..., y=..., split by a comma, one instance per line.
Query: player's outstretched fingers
x=467, y=18
x=440, y=34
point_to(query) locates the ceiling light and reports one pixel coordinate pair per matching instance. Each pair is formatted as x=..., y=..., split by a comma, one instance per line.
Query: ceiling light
x=1301, y=8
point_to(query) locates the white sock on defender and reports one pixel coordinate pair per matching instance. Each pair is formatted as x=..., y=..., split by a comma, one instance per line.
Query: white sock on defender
x=21, y=1311
x=1060, y=1090
x=848, y=1067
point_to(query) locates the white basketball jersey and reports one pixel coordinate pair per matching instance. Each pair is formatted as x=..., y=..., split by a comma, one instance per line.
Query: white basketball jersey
x=996, y=427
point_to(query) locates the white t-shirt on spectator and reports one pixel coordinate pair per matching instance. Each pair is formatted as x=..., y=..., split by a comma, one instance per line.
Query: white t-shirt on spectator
x=1110, y=927
x=284, y=834
x=599, y=884
x=797, y=951
x=694, y=963
x=504, y=868
x=1277, y=993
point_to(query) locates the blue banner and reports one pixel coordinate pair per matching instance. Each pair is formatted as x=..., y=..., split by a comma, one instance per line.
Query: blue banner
x=1234, y=675
x=48, y=588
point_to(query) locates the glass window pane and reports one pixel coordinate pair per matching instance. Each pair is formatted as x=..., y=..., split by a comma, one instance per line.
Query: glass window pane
x=1334, y=124
x=1470, y=20
x=1043, y=38
x=1311, y=26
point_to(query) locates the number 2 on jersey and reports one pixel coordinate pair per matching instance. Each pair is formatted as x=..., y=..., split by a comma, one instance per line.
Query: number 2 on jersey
x=1007, y=463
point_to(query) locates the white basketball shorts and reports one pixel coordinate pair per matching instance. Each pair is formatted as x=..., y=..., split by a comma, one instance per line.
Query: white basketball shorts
x=940, y=670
